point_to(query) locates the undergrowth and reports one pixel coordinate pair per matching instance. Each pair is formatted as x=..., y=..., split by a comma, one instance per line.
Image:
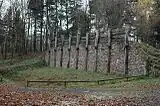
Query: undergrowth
x=7, y=70
x=152, y=57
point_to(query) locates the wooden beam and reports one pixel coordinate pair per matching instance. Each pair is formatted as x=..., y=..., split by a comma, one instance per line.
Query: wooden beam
x=85, y=81
x=96, y=49
x=87, y=51
x=109, y=49
x=126, y=60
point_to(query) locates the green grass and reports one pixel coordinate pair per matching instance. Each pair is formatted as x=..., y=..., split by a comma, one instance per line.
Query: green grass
x=59, y=74
x=136, y=84
x=9, y=68
x=46, y=73
x=35, y=69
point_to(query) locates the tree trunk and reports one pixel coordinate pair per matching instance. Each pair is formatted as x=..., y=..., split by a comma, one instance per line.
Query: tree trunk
x=41, y=36
x=47, y=22
x=29, y=24
x=35, y=35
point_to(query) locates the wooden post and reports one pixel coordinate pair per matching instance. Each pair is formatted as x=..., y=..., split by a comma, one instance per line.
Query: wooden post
x=49, y=57
x=77, y=48
x=55, y=50
x=96, y=49
x=126, y=50
x=147, y=67
x=61, y=58
x=69, y=51
x=109, y=49
x=87, y=51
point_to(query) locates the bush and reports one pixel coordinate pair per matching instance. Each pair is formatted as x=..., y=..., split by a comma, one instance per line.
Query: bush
x=152, y=57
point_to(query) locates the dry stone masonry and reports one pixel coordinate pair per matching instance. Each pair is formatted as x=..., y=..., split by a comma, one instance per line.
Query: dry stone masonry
x=136, y=64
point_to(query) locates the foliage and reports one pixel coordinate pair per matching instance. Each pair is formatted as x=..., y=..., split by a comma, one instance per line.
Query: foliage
x=152, y=57
x=108, y=11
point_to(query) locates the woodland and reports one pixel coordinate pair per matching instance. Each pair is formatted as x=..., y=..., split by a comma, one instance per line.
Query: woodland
x=79, y=52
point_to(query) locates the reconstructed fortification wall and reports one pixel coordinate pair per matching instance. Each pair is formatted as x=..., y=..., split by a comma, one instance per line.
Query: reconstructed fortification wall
x=136, y=64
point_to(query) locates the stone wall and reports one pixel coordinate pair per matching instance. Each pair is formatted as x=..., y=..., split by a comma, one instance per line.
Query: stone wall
x=136, y=64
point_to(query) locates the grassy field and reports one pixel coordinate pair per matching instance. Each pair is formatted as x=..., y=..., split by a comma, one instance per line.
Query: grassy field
x=54, y=74
x=18, y=72
x=144, y=83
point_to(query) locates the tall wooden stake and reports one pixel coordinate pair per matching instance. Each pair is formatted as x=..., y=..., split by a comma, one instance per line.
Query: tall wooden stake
x=55, y=51
x=96, y=49
x=126, y=50
x=87, y=51
x=69, y=51
x=109, y=49
x=77, y=48
x=61, y=58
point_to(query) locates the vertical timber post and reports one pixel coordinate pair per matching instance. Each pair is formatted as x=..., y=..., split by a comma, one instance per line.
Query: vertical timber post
x=147, y=67
x=61, y=59
x=109, y=50
x=96, y=49
x=126, y=50
x=77, y=48
x=49, y=57
x=55, y=51
x=69, y=51
x=87, y=51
